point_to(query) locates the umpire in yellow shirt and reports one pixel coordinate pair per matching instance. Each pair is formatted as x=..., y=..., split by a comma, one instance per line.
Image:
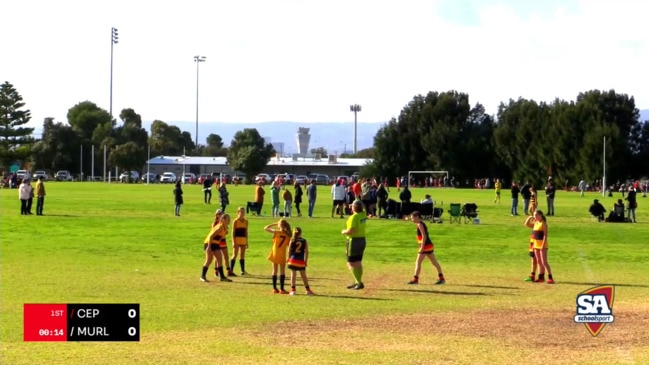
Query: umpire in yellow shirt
x=40, y=195
x=355, y=233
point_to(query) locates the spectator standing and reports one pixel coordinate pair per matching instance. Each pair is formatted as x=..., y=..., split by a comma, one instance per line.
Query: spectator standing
x=224, y=197
x=633, y=203
x=515, y=192
x=582, y=187
x=288, y=202
x=349, y=200
x=497, y=188
x=30, y=201
x=274, y=199
x=178, y=197
x=533, y=201
x=24, y=192
x=550, y=190
x=311, y=194
x=373, y=200
x=338, y=197
x=40, y=195
x=526, y=195
x=366, y=195
x=381, y=199
x=207, y=189
x=405, y=197
x=259, y=196
x=357, y=189
x=366, y=191
x=298, y=198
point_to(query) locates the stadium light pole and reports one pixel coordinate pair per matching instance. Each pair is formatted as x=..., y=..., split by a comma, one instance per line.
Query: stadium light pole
x=604, y=169
x=198, y=60
x=113, y=41
x=355, y=108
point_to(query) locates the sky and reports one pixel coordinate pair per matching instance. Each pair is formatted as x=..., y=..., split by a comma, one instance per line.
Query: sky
x=308, y=61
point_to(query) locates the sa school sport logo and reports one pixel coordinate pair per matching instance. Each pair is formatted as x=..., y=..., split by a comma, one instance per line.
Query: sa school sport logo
x=595, y=308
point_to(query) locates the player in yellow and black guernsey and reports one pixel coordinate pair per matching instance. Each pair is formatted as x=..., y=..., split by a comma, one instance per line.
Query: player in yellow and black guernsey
x=239, y=240
x=298, y=255
x=281, y=238
x=426, y=250
x=211, y=246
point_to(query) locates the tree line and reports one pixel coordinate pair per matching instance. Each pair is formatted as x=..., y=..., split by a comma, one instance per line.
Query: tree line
x=526, y=140
x=67, y=146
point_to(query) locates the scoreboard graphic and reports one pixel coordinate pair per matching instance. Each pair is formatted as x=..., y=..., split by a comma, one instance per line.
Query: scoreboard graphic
x=81, y=322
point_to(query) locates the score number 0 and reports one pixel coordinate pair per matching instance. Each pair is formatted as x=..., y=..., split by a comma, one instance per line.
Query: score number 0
x=132, y=313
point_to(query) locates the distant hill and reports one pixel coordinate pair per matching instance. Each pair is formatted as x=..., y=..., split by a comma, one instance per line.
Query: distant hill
x=644, y=115
x=335, y=137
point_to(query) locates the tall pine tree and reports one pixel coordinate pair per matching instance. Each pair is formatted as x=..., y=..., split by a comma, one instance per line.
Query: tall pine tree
x=15, y=139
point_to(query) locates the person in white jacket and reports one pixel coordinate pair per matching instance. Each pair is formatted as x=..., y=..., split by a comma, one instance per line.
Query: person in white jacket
x=24, y=193
x=338, y=196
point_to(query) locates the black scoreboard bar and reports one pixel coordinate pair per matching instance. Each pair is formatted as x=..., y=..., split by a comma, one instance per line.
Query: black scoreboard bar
x=103, y=322
x=82, y=322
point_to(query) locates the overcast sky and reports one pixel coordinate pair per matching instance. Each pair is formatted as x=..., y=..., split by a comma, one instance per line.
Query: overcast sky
x=307, y=61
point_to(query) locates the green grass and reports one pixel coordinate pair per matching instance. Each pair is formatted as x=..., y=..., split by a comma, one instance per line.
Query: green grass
x=112, y=243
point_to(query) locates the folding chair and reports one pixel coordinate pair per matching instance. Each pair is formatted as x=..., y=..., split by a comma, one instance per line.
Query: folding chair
x=393, y=209
x=437, y=215
x=406, y=209
x=469, y=212
x=415, y=207
x=426, y=211
x=455, y=211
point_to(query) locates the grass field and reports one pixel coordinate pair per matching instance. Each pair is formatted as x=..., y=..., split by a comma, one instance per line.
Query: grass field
x=112, y=243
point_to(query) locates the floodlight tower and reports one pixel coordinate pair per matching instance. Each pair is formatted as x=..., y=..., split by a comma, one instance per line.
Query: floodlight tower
x=113, y=41
x=198, y=60
x=355, y=108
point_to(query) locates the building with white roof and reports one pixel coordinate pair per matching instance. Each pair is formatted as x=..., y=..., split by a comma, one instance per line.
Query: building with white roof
x=332, y=166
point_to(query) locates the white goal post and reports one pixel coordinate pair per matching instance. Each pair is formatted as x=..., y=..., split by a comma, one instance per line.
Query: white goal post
x=428, y=173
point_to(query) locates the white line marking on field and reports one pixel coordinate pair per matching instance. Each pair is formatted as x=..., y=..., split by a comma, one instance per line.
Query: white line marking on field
x=587, y=270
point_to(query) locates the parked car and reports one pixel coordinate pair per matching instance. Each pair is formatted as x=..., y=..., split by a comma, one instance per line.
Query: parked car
x=302, y=179
x=238, y=178
x=345, y=179
x=63, y=175
x=320, y=179
x=202, y=178
x=149, y=178
x=286, y=178
x=40, y=173
x=217, y=177
x=189, y=178
x=21, y=174
x=168, y=178
x=133, y=175
x=266, y=178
